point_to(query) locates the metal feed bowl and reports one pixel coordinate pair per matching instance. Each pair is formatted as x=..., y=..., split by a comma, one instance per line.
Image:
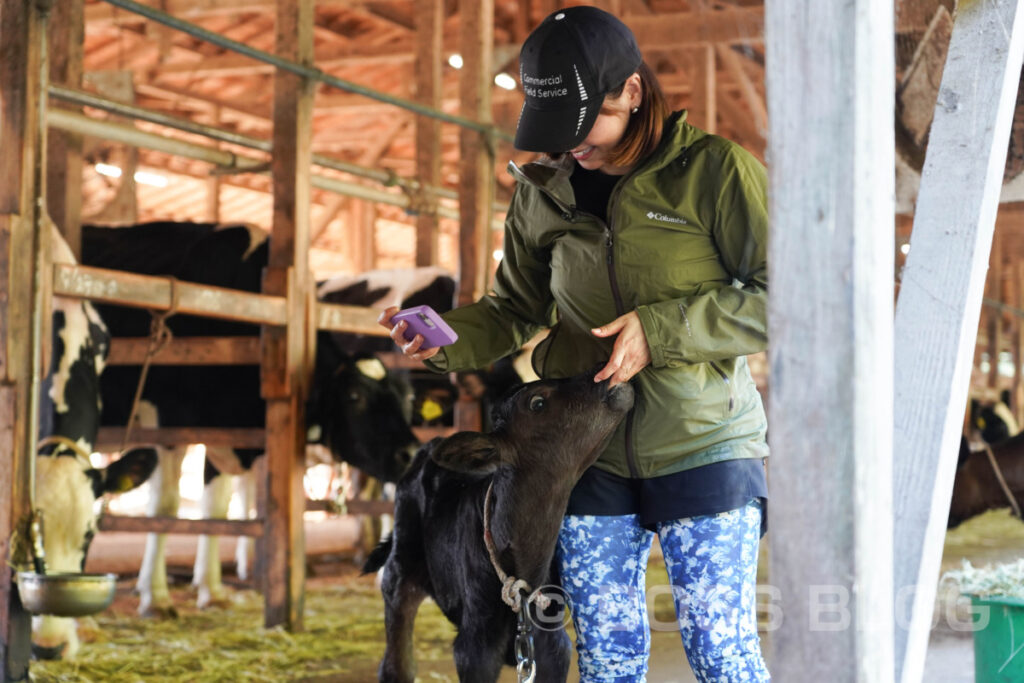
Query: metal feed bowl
x=66, y=595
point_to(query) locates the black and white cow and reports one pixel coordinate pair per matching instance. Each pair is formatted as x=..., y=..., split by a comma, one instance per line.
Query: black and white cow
x=353, y=408
x=67, y=485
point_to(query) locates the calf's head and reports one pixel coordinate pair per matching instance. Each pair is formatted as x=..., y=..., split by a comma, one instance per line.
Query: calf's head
x=549, y=430
x=67, y=489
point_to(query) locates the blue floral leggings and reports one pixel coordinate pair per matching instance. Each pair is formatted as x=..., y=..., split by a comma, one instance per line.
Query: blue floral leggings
x=712, y=563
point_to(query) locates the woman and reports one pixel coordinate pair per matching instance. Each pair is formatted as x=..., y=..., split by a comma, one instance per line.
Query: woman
x=640, y=241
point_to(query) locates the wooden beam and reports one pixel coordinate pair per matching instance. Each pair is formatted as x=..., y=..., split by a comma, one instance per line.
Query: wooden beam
x=429, y=36
x=476, y=163
x=673, y=30
x=155, y=292
x=174, y=525
x=733, y=63
x=940, y=299
x=112, y=438
x=703, y=111
x=287, y=352
x=187, y=351
x=830, y=326
x=63, y=149
x=22, y=168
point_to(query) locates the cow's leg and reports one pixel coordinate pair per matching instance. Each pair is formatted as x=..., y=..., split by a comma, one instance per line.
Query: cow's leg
x=164, y=499
x=206, y=575
x=480, y=651
x=245, y=487
x=554, y=652
x=402, y=598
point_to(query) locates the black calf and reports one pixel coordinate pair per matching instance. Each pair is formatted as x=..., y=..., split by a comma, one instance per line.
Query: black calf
x=545, y=436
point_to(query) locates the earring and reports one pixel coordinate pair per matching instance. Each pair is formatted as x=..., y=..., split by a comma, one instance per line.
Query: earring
x=636, y=109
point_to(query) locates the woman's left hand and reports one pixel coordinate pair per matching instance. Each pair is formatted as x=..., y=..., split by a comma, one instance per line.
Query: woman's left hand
x=630, y=355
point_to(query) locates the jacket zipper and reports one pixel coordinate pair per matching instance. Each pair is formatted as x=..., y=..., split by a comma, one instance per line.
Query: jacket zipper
x=620, y=309
x=567, y=214
x=725, y=378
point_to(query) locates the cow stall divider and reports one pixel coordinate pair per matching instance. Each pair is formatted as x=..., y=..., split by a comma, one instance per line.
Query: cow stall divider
x=287, y=310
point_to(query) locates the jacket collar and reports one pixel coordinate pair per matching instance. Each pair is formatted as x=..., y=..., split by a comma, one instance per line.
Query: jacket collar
x=552, y=176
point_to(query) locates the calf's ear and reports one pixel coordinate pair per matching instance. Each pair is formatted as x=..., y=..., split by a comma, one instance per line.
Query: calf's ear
x=130, y=470
x=467, y=452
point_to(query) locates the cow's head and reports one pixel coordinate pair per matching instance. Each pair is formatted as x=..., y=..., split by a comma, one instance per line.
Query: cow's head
x=356, y=409
x=67, y=489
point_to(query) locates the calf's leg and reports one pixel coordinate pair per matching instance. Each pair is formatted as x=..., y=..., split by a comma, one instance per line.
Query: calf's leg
x=402, y=598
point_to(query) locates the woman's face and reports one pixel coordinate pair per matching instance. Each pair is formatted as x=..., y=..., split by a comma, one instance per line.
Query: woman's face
x=610, y=126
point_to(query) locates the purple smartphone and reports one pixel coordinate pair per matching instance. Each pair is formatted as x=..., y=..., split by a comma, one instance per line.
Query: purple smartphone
x=426, y=321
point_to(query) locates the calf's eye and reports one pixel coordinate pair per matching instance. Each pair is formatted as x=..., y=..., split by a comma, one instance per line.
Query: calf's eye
x=537, y=403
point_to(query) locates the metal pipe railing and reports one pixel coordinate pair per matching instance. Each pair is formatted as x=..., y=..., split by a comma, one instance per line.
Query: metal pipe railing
x=387, y=178
x=129, y=135
x=310, y=72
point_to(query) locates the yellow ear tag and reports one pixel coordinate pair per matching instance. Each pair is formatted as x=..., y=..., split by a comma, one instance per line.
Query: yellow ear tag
x=372, y=368
x=125, y=483
x=430, y=410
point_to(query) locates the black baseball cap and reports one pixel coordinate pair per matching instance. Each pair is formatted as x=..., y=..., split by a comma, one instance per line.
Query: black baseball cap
x=567, y=65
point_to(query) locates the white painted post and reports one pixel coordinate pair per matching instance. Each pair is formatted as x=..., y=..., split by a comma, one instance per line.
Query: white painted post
x=940, y=299
x=830, y=85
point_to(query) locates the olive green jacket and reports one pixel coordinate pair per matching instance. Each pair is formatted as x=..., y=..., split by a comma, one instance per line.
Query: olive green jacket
x=685, y=247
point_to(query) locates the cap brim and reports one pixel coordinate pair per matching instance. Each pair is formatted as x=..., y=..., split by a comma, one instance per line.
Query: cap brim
x=554, y=130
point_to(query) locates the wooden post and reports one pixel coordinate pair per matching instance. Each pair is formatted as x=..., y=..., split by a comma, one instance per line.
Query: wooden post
x=940, y=299
x=23, y=245
x=285, y=351
x=476, y=165
x=64, y=149
x=429, y=35
x=830, y=331
x=703, y=101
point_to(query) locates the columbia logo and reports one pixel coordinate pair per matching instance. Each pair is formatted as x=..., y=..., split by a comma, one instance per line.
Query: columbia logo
x=665, y=219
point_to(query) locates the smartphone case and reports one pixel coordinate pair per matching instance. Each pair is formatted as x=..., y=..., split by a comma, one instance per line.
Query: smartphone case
x=426, y=321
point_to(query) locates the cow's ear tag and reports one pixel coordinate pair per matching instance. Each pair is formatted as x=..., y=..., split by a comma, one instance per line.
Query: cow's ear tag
x=431, y=410
x=314, y=433
x=372, y=368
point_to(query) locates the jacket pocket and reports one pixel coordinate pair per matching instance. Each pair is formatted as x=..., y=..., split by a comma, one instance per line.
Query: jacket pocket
x=727, y=383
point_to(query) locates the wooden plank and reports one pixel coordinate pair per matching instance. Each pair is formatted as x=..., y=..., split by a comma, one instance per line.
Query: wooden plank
x=476, y=158
x=353, y=507
x=940, y=299
x=429, y=35
x=64, y=150
x=174, y=525
x=287, y=351
x=830, y=325
x=672, y=30
x=702, y=107
x=111, y=438
x=733, y=63
x=149, y=291
x=22, y=165
x=187, y=351
x=344, y=318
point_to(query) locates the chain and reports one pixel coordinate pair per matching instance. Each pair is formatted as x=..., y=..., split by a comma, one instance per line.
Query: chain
x=526, y=663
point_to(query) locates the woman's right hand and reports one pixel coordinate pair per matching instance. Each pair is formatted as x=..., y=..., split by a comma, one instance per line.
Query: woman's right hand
x=409, y=348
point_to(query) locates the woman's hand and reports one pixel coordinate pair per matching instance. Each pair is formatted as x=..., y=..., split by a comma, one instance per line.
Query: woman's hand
x=409, y=348
x=630, y=355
